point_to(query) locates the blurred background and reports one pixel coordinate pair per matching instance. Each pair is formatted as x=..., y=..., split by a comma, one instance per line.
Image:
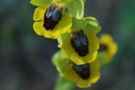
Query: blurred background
x=25, y=58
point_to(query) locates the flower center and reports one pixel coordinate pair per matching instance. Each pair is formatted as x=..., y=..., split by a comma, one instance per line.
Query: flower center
x=82, y=70
x=102, y=47
x=52, y=16
x=80, y=43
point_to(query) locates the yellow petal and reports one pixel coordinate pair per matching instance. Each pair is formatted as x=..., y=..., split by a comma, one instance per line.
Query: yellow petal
x=70, y=74
x=39, y=13
x=38, y=28
x=95, y=65
x=84, y=83
x=106, y=37
x=112, y=48
x=94, y=77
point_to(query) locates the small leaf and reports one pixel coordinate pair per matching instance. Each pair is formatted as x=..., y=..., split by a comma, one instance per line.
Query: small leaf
x=78, y=23
x=40, y=2
x=92, y=24
x=76, y=8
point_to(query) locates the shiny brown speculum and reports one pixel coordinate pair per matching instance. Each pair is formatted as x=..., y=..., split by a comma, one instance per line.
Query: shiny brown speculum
x=82, y=70
x=102, y=47
x=52, y=16
x=79, y=42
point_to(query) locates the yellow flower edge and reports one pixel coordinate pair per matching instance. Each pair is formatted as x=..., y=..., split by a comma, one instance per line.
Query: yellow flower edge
x=65, y=45
x=94, y=75
x=63, y=26
x=64, y=67
x=107, y=40
x=39, y=12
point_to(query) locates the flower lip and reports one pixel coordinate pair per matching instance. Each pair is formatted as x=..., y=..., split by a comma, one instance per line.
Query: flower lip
x=79, y=41
x=52, y=16
x=82, y=70
x=102, y=47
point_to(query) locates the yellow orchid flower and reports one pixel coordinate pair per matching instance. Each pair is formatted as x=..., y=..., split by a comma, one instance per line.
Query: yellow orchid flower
x=107, y=48
x=83, y=75
x=51, y=20
x=79, y=46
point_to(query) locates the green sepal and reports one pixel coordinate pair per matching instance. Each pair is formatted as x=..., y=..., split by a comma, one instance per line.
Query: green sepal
x=92, y=24
x=102, y=56
x=60, y=38
x=66, y=2
x=40, y=2
x=76, y=9
x=78, y=23
x=58, y=55
x=57, y=60
x=54, y=57
x=64, y=84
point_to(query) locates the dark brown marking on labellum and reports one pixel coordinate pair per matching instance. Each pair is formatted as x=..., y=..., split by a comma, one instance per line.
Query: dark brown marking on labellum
x=52, y=16
x=102, y=47
x=82, y=70
x=80, y=43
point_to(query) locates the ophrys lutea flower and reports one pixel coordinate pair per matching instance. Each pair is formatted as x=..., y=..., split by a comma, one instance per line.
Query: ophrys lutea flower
x=107, y=48
x=51, y=20
x=79, y=46
x=83, y=75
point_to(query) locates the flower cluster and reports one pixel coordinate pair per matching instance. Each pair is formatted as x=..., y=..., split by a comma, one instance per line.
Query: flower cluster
x=76, y=35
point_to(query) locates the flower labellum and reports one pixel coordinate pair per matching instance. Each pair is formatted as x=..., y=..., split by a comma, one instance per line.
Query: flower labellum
x=52, y=16
x=82, y=70
x=80, y=43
